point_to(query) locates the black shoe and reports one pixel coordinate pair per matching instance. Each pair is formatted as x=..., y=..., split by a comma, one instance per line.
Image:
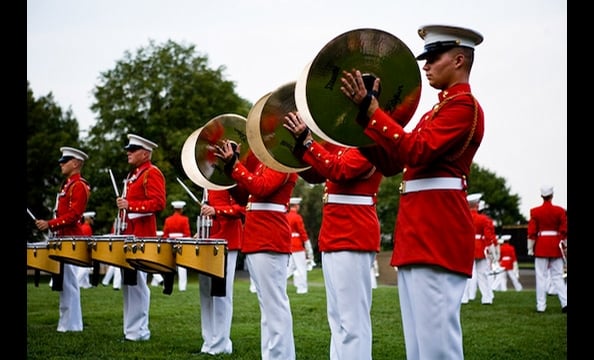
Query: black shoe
x=564, y=309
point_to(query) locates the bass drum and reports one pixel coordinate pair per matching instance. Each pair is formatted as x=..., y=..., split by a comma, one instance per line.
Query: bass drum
x=203, y=255
x=38, y=258
x=73, y=250
x=150, y=254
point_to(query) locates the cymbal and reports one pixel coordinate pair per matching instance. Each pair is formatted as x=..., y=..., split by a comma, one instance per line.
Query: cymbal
x=198, y=159
x=268, y=139
x=328, y=112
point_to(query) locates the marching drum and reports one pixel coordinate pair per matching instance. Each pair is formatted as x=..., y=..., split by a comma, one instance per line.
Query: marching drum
x=150, y=254
x=109, y=249
x=38, y=258
x=204, y=255
x=72, y=249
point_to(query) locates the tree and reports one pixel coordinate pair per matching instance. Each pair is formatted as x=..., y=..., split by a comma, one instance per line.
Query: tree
x=164, y=93
x=48, y=129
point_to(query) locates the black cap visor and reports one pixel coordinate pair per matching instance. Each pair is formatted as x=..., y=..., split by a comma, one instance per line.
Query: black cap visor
x=133, y=147
x=65, y=159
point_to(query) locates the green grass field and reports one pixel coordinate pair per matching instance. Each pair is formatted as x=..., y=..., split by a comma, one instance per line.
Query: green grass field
x=510, y=329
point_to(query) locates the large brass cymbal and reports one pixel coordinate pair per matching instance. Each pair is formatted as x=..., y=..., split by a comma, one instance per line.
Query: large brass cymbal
x=268, y=139
x=198, y=159
x=328, y=112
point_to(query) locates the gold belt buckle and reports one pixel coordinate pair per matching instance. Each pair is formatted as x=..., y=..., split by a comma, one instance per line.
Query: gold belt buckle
x=248, y=207
x=402, y=187
x=325, y=198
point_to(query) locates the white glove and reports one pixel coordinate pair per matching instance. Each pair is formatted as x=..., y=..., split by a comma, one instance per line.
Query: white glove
x=530, y=247
x=308, y=249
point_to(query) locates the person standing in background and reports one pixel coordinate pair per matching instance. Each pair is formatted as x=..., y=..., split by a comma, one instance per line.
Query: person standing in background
x=145, y=195
x=71, y=203
x=301, y=249
x=83, y=272
x=178, y=225
x=485, y=240
x=266, y=245
x=509, y=261
x=434, y=232
x=547, y=229
x=216, y=312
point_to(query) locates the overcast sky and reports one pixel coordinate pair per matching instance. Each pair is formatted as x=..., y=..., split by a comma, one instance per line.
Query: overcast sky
x=519, y=75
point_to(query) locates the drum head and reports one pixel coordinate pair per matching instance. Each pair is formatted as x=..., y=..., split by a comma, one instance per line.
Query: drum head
x=328, y=112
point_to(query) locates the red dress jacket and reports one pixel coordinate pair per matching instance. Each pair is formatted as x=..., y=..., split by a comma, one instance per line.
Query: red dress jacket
x=71, y=204
x=86, y=228
x=345, y=226
x=298, y=232
x=177, y=223
x=434, y=227
x=552, y=219
x=484, y=233
x=227, y=224
x=507, y=256
x=265, y=230
x=146, y=196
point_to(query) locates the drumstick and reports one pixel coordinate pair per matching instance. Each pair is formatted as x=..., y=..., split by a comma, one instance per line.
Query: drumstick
x=113, y=182
x=31, y=215
x=188, y=191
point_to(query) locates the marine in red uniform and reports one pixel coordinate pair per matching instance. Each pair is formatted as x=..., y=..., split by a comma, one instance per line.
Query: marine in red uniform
x=434, y=232
x=144, y=196
x=267, y=245
x=71, y=203
x=177, y=225
x=349, y=237
x=485, y=240
x=509, y=261
x=547, y=231
x=301, y=249
x=216, y=312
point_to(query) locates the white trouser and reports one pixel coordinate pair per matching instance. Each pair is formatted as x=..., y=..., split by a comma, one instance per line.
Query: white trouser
x=70, y=308
x=555, y=267
x=512, y=276
x=348, y=303
x=499, y=282
x=83, y=276
x=298, y=269
x=430, y=301
x=157, y=279
x=216, y=312
x=182, y=278
x=137, y=299
x=482, y=280
x=269, y=272
x=115, y=273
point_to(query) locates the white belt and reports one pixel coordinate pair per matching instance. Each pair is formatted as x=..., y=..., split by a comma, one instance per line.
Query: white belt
x=548, y=233
x=133, y=216
x=295, y=234
x=478, y=236
x=437, y=183
x=176, y=235
x=348, y=199
x=266, y=206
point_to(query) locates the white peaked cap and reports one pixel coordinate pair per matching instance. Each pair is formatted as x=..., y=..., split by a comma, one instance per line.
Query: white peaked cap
x=178, y=204
x=440, y=38
x=136, y=141
x=68, y=152
x=295, y=201
x=546, y=190
x=89, y=214
x=474, y=198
